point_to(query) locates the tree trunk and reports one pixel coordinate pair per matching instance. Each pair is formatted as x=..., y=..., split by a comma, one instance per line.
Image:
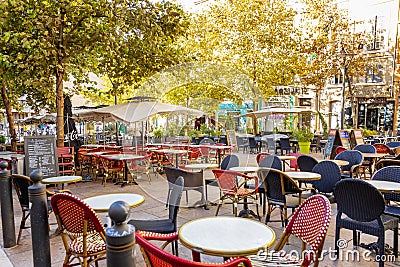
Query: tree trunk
x=60, y=108
x=10, y=118
x=59, y=80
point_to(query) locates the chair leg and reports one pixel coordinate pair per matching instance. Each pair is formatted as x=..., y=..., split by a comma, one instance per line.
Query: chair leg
x=166, y=203
x=396, y=242
x=218, y=206
x=235, y=208
x=381, y=245
x=337, y=236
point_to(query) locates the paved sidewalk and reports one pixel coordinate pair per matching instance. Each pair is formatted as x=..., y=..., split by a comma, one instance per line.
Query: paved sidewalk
x=4, y=260
x=154, y=207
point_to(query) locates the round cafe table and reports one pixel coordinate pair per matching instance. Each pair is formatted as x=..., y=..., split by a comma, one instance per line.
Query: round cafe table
x=62, y=180
x=304, y=176
x=339, y=162
x=201, y=166
x=225, y=236
x=247, y=169
x=385, y=186
x=102, y=203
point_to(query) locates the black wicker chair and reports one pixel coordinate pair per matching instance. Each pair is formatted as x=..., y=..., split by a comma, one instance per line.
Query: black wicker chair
x=330, y=175
x=363, y=206
x=392, y=174
x=354, y=158
x=270, y=161
x=306, y=163
x=367, y=163
x=284, y=145
x=165, y=226
x=192, y=181
x=280, y=189
x=21, y=184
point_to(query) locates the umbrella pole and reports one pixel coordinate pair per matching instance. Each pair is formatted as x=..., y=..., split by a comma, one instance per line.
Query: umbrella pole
x=104, y=133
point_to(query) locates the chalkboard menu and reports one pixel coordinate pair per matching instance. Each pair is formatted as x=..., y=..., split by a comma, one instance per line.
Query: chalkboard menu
x=231, y=135
x=41, y=154
x=330, y=142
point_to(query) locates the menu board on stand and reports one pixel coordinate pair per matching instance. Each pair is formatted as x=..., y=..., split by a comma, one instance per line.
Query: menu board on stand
x=41, y=154
x=356, y=138
x=336, y=138
x=344, y=138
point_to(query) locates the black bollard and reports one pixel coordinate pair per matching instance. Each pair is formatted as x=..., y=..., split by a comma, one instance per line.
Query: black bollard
x=39, y=221
x=120, y=237
x=7, y=209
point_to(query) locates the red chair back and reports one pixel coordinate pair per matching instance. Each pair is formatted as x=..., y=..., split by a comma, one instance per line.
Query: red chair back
x=383, y=148
x=311, y=220
x=157, y=257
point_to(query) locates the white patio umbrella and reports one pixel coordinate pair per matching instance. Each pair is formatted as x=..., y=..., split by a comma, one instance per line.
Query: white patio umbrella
x=135, y=112
x=45, y=118
x=276, y=110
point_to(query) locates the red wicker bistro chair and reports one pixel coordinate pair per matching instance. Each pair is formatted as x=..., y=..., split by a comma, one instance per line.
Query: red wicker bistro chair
x=310, y=224
x=112, y=167
x=232, y=187
x=157, y=257
x=81, y=230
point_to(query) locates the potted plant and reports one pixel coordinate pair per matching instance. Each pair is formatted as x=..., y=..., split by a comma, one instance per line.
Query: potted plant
x=304, y=137
x=157, y=134
x=2, y=139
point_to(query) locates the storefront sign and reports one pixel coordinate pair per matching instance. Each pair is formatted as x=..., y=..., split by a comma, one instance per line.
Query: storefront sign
x=376, y=100
x=291, y=91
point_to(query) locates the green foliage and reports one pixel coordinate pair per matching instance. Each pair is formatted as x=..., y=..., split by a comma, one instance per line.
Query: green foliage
x=2, y=139
x=172, y=129
x=303, y=134
x=194, y=133
x=158, y=132
x=367, y=132
x=255, y=37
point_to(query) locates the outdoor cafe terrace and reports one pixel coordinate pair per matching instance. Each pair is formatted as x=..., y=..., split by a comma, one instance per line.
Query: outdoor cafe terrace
x=148, y=189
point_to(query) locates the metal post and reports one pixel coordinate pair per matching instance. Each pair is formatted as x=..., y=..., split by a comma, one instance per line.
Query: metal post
x=343, y=96
x=7, y=210
x=39, y=221
x=120, y=237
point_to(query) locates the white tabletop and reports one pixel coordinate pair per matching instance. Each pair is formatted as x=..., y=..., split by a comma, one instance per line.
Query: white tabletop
x=62, y=179
x=385, y=186
x=374, y=155
x=226, y=236
x=201, y=166
x=103, y=202
x=339, y=162
x=122, y=156
x=247, y=169
x=172, y=151
x=304, y=176
x=286, y=157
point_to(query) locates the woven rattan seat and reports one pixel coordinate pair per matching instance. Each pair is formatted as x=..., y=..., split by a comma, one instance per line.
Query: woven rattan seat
x=81, y=230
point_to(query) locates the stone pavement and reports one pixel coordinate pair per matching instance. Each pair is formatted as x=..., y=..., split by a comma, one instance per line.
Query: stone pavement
x=154, y=207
